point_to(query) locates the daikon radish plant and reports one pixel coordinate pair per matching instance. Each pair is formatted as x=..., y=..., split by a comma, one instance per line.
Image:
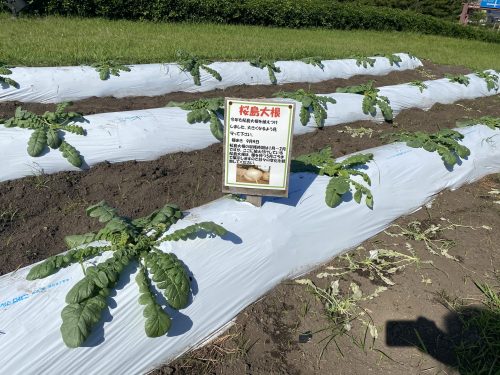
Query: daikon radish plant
x=6, y=81
x=445, y=142
x=311, y=103
x=314, y=61
x=269, y=64
x=341, y=173
x=458, y=78
x=371, y=99
x=192, y=64
x=48, y=131
x=127, y=241
x=490, y=79
x=393, y=59
x=205, y=110
x=365, y=61
x=107, y=69
x=421, y=86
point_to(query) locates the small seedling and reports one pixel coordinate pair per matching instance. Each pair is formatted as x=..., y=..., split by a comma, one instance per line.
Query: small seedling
x=270, y=65
x=205, y=110
x=192, y=64
x=109, y=68
x=47, y=131
x=371, y=99
x=341, y=173
x=421, y=86
x=458, y=78
x=311, y=103
x=445, y=142
x=6, y=81
x=129, y=241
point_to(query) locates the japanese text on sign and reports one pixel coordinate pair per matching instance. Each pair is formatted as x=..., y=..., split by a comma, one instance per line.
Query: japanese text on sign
x=257, y=145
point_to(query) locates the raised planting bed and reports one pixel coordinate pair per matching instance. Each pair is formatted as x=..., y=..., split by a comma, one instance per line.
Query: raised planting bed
x=59, y=84
x=148, y=134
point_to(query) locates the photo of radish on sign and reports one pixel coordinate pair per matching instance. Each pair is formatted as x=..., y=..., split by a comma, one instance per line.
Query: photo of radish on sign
x=257, y=144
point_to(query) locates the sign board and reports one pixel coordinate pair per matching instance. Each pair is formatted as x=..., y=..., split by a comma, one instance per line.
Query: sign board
x=257, y=146
x=490, y=4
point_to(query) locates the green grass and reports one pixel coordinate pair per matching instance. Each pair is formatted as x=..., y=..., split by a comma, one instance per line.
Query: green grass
x=52, y=41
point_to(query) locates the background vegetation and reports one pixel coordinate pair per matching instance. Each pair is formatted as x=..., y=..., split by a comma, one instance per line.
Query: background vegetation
x=50, y=41
x=282, y=13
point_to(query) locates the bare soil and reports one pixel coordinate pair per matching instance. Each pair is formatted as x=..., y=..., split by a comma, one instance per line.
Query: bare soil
x=37, y=212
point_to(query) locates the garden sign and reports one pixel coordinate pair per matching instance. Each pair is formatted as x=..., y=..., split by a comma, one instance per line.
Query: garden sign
x=257, y=147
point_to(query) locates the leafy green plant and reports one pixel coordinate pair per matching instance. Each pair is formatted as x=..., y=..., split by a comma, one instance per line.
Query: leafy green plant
x=261, y=63
x=47, y=131
x=421, y=86
x=445, y=142
x=311, y=103
x=341, y=174
x=128, y=241
x=371, y=99
x=393, y=59
x=314, y=61
x=458, y=78
x=192, y=64
x=6, y=81
x=109, y=68
x=491, y=122
x=365, y=61
x=205, y=110
x=491, y=80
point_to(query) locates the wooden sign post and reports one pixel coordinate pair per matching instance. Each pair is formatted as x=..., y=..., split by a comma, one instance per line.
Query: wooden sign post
x=257, y=148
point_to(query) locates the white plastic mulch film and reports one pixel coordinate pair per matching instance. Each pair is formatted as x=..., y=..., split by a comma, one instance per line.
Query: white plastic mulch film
x=148, y=134
x=262, y=249
x=59, y=84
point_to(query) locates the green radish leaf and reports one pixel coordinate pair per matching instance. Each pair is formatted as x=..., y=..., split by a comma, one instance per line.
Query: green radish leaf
x=79, y=239
x=53, y=139
x=157, y=322
x=79, y=318
x=82, y=290
x=44, y=269
x=37, y=142
x=101, y=211
x=71, y=154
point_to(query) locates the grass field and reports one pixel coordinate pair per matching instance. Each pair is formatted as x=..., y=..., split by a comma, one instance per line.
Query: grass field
x=55, y=41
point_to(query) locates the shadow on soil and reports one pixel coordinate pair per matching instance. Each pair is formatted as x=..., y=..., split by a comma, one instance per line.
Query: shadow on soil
x=469, y=343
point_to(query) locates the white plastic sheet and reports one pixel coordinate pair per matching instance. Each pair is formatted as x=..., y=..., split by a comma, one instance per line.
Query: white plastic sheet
x=281, y=240
x=149, y=134
x=71, y=83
